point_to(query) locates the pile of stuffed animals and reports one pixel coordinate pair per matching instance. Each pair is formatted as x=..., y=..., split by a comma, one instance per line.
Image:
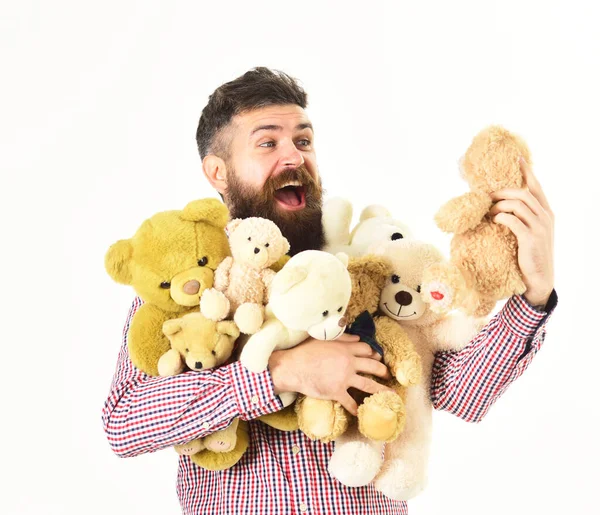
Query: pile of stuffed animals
x=207, y=282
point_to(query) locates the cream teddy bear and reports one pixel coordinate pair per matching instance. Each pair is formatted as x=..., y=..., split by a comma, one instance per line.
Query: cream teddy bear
x=403, y=473
x=376, y=225
x=242, y=281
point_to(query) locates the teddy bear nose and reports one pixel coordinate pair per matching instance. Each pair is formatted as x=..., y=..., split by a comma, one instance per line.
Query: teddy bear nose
x=191, y=287
x=403, y=298
x=198, y=364
x=256, y=250
x=343, y=321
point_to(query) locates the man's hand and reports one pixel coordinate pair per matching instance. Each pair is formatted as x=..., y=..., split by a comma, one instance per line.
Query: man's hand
x=527, y=214
x=326, y=369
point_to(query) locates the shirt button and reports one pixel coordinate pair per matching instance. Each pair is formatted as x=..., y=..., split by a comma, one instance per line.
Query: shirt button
x=303, y=507
x=254, y=399
x=206, y=425
x=295, y=449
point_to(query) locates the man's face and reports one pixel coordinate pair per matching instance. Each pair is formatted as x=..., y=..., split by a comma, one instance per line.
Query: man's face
x=272, y=173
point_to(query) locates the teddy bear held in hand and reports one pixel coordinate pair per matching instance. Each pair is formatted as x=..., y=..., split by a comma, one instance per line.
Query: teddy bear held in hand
x=242, y=281
x=483, y=264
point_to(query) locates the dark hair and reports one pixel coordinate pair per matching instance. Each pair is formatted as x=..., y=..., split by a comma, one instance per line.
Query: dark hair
x=259, y=87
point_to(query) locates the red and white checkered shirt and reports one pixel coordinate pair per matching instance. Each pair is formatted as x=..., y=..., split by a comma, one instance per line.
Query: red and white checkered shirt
x=285, y=472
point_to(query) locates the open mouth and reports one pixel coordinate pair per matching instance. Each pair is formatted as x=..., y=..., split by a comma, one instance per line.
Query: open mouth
x=291, y=196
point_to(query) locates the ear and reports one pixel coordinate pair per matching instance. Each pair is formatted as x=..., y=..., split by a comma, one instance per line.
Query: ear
x=373, y=211
x=172, y=327
x=287, y=278
x=117, y=261
x=232, y=226
x=215, y=170
x=229, y=328
x=208, y=210
x=343, y=257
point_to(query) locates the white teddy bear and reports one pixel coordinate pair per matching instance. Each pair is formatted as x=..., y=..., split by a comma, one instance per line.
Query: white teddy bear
x=376, y=226
x=309, y=297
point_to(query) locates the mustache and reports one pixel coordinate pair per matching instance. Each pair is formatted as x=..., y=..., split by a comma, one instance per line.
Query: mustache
x=299, y=174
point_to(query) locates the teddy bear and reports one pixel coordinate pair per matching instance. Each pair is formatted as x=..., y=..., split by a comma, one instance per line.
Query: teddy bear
x=170, y=261
x=376, y=224
x=198, y=343
x=309, y=296
x=403, y=473
x=242, y=281
x=483, y=264
x=381, y=417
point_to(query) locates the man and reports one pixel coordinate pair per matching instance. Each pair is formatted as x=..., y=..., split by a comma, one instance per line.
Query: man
x=256, y=144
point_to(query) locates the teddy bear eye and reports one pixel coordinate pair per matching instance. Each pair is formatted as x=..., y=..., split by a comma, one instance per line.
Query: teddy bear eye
x=266, y=244
x=165, y=285
x=419, y=289
x=340, y=309
x=325, y=313
x=187, y=350
x=249, y=238
x=214, y=353
x=395, y=279
x=397, y=236
x=203, y=261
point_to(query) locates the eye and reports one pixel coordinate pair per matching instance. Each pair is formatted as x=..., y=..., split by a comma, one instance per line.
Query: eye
x=214, y=353
x=203, y=261
x=395, y=279
x=187, y=350
x=419, y=289
x=325, y=313
x=266, y=244
x=340, y=309
x=249, y=238
x=165, y=285
x=397, y=236
x=267, y=144
x=304, y=142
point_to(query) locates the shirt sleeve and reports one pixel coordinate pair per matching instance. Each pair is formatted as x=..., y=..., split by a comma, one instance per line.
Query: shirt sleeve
x=467, y=382
x=144, y=413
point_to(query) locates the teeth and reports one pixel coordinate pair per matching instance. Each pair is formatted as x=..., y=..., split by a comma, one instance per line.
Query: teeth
x=291, y=183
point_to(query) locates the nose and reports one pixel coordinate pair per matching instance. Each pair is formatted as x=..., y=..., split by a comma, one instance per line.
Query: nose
x=191, y=287
x=291, y=155
x=343, y=321
x=403, y=298
x=256, y=250
x=198, y=364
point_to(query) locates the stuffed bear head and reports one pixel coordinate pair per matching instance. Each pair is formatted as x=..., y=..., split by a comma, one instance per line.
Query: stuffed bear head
x=172, y=257
x=491, y=162
x=202, y=343
x=311, y=293
x=401, y=297
x=256, y=242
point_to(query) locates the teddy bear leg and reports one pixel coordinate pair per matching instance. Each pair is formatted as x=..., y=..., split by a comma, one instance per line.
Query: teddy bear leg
x=214, y=305
x=401, y=479
x=222, y=441
x=284, y=420
x=249, y=317
x=382, y=416
x=210, y=460
x=356, y=460
x=187, y=449
x=321, y=419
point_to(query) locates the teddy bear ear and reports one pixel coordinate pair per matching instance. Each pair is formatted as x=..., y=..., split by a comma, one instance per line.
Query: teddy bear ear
x=233, y=225
x=285, y=245
x=343, y=257
x=287, y=278
x=229, y=328
x=171, y=327
x=373, y=211
x=117, y=261
x=208, y=210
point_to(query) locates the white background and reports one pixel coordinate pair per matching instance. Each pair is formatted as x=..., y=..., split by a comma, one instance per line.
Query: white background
x=99, y=103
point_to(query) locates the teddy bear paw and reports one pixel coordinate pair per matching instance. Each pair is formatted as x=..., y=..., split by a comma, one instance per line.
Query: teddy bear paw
x=190, y=448
x=382, y=416
x=249, y=317
x=218, y=443
x=438, y=295
x=214, y=305
x=356, y=463
x=401, y=480
x=408, y=373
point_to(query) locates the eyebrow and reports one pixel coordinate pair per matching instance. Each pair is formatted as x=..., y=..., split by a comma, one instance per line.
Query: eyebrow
x=299, y=127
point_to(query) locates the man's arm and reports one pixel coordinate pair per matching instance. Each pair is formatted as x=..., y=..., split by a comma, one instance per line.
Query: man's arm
x=144, y=413
x=466, y=383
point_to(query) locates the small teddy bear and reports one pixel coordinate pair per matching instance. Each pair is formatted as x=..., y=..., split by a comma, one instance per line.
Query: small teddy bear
x=376, y=225
x=483, y=264
x=198, y=343
x=242, y=281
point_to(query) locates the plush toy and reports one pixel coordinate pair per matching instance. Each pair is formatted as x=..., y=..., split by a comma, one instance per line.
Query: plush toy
x=404, y=471
x=198, y=343
x=483, y=264
x=169, y=261
x=309, y=296
x=242, y=281
x=376, y=225
x=381, y=417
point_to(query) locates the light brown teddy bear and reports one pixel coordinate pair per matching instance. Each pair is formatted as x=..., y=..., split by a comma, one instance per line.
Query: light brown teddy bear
x=201, y=344
x=242, y=281
x=381, y=417
x=483, y=266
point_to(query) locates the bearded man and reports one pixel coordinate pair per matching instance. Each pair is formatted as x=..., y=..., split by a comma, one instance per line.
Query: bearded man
x=256, y=144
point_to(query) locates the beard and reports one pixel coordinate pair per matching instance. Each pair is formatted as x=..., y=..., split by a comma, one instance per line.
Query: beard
x=302, y=228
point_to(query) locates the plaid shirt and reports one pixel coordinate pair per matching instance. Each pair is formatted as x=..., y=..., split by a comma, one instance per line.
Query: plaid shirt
x=285, y=472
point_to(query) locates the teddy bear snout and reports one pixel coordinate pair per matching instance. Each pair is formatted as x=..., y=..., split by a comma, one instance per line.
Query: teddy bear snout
x=403, y=298
x=191, y=287
x=343, y=322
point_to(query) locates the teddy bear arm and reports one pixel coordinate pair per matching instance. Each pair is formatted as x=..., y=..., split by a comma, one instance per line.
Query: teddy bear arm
x=257, y=351
x=170, y=364
x=146, y=341
x=222, y=272
x=455, y=332
x=463, y=213
x=267, y=276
